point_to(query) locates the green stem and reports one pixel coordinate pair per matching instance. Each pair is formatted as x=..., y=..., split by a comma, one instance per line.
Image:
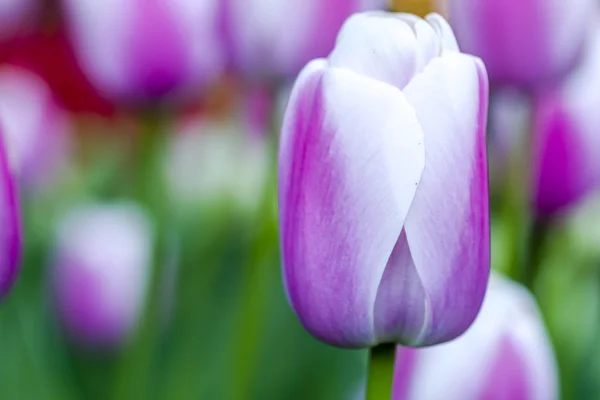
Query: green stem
x=526, y=233
x=136, y=368
x=381, y=372
x=253, y=296
x=537, y=237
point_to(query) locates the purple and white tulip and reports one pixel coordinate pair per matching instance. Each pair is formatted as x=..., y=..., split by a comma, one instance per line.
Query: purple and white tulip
x=567, y=137
x=36, y=130
x=147, y=50
x=383, y=186
x=270, y=39
x=101, y=270
x=10, y=216
x=505, y=354
x=529, y=43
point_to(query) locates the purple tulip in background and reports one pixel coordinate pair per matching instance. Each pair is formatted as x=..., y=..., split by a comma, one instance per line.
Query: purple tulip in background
x=101, y=270
x=17, y=16
x=383, y=190
x=506, y=354
x=36, y=130
x=567, y=137
x=529, y=43
x=147, y=50
x=274, y=39
x=10, y=245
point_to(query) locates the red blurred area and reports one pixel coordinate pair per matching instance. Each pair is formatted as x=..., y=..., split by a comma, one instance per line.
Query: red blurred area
x=47, y=52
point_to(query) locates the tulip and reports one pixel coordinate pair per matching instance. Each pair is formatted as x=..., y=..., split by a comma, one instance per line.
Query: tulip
x=203, y=146
x=101, y=270
x=506, y=354
x=566, y=137
x=36, y=130
x=10, y=245
x=147, y=50
x=528, y=43
x=275, y=39
x=383, y=191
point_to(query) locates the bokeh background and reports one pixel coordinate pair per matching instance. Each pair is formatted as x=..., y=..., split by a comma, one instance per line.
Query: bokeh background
x=215, y=322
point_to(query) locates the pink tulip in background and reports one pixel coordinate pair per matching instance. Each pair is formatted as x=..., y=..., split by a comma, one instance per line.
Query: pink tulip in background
x=36, y=130
x=263, y=44
x=505, y=355
x=102, y=265
x=383, y=190
x=147, y=50
x=529, y=43
x=567, y=137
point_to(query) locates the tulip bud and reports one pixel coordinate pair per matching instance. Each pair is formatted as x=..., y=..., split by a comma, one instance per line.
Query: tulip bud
x=523, y=42
x=505, y=354
x=275, y=39
x=101, y=271
x=10, y=245
x=383, y=190
x=567, y=140
x=147, y=50
x=35, y=128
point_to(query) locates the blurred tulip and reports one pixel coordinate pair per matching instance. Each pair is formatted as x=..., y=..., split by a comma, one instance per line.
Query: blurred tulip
x=215, y=161
x=101, y=271
x=147, y=50
x=17, y=16
x=567, y=137
x=506, y=354
x=36, y=130
x=523, y=42
x=383, y=193
x=275, y=39
x=10, y=245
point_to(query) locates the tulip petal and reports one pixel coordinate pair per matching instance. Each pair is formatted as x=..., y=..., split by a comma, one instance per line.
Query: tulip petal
x=401, y=308
x=444, y=32
x=11, y=225
x=95, y=44
x=388, y=47
x=507, y=377
x=448, y=229
x=350, y=161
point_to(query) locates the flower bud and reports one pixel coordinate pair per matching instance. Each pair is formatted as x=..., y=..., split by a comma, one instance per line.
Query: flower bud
x=505, y=354
x=383, y=187
x=147, y=50
x=36, y=130
x=275, y=39
x=101, y=270
x=529, y=43
x=566, y=137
